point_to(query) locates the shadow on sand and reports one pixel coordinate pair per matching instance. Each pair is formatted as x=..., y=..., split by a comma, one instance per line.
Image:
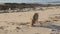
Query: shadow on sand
x=50, y=26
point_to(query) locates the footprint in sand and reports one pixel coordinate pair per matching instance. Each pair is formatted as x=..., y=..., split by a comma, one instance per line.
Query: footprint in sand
x=55, y=32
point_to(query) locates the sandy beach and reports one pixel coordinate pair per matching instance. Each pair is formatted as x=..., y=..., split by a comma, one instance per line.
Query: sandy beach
x=10, y=23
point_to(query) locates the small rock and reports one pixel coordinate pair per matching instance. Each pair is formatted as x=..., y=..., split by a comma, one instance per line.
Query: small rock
x=2, y=27
x=36, y=33
x=18, y=28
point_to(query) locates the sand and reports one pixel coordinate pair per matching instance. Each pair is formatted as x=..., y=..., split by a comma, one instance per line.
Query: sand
x=10, y=22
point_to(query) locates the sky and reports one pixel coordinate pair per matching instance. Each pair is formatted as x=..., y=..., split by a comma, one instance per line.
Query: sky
x=27, y=1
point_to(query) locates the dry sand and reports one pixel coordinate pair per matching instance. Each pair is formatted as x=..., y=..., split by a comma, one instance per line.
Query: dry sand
x=10, y=22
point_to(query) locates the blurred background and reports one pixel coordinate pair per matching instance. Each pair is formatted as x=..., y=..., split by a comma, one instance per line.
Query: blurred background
x=29, y=1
